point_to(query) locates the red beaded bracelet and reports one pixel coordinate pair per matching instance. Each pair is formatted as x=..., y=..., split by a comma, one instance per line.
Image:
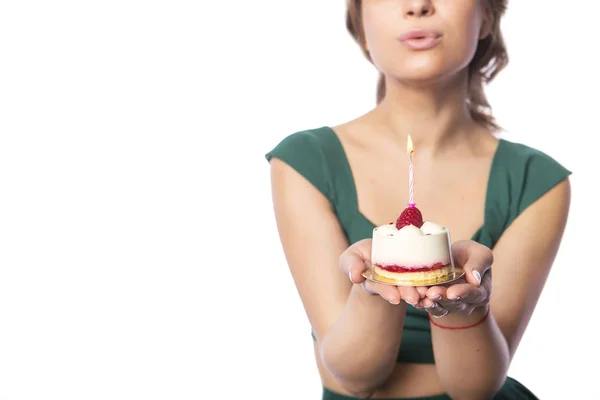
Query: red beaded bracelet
x=462, y=327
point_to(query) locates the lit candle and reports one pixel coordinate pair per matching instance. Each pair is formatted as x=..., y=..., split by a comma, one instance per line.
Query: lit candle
x=411, y=173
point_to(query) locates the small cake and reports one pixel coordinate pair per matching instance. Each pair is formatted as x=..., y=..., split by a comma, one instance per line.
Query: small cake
x=411, y=251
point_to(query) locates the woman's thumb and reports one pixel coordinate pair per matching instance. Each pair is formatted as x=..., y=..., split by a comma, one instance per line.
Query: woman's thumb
x=353, y=260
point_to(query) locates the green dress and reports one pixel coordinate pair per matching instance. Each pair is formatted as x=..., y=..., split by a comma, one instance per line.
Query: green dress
x=519, y=175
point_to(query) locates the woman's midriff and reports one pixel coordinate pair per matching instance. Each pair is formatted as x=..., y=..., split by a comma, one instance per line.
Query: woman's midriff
x=406, y=380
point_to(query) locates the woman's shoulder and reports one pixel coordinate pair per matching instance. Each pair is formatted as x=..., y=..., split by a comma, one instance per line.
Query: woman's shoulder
x=304, y=141
x=309, y=152
x=519, y=150
x=521, y=174
x=527, y=172
x=522, y=159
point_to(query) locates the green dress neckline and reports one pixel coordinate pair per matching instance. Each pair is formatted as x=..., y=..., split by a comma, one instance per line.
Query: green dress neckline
x=353, y=195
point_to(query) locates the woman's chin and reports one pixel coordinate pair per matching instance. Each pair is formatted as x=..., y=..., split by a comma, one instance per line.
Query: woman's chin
x=425, y=76
x=425, y=71
x=422, y=79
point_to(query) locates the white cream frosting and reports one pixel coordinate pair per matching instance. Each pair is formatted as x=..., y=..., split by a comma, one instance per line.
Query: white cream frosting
x=410, y=246
x=431, y=228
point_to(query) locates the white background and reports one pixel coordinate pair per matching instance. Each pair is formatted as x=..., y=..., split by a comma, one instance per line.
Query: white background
x=132, y=141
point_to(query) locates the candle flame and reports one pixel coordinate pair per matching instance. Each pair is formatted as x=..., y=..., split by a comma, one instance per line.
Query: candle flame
x=409, y=146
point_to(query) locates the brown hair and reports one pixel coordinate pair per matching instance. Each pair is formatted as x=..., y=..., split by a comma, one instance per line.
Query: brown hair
x=489, y=59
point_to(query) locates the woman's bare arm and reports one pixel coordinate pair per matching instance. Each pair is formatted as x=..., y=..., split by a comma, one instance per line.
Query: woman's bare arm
x=473, y=363
x=346, y=320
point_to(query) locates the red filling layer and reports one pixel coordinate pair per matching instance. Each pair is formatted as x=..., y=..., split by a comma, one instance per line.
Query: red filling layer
x=398, y=268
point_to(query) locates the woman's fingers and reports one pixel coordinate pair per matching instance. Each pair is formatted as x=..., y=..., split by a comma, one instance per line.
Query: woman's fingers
x=474, y=290
x=436, y=293
x=355, y=272
x=394, y=294
x=459, y=291
x=474, y=258
x=436, y=310
x=389, y=293
x=422, y=290
x=410, y=295
x=353, y=260
x=474, y=296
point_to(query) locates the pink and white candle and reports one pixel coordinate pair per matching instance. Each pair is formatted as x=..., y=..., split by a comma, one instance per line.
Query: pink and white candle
x=411, y=173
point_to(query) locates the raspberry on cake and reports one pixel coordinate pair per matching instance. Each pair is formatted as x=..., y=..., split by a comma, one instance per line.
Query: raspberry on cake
x=412, y=251
x=410, y=216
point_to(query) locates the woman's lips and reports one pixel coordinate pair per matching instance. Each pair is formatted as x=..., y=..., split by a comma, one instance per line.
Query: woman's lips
x=420, y=39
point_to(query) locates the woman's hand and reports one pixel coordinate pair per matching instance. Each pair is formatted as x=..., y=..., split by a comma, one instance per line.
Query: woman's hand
x=471, y=291
x=354, y=261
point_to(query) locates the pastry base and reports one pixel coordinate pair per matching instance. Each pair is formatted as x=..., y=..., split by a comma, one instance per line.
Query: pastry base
x=427, y=278
x=431, y=275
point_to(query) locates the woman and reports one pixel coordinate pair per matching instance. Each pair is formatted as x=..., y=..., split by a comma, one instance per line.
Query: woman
x=332, y=185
